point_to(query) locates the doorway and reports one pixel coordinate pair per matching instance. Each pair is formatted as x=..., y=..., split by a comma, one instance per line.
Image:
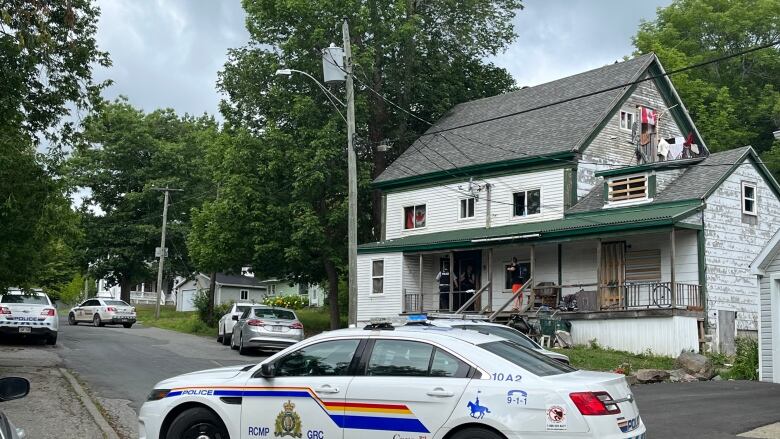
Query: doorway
x=467, y=280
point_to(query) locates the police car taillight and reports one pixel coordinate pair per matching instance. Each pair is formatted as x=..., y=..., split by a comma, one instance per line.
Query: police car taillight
x=255, y=322
x=5, y=310
x=49, y=312
x=110, y=309
x=594, y=403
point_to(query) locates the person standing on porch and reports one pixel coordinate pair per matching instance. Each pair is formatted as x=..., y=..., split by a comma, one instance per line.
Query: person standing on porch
x=467, y=283
x=516, y=277
x=443, y=277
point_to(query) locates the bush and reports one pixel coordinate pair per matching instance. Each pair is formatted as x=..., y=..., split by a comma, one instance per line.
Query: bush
x=201, y=302
x=292, y=302
x=746, y=361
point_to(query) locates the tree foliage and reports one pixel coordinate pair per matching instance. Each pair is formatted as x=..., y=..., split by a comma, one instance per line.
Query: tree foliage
x=734, y=102
x=126, y=153
x=47, y=52
x=424, y=56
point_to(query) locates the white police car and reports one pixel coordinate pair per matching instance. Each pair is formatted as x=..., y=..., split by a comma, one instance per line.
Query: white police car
x=28, y=314
x=418, y=382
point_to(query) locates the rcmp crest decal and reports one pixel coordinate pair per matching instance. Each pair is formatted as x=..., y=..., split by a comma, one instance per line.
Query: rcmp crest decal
x=288, y=423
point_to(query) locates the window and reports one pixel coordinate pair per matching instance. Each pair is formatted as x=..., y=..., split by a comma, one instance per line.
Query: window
x=414, y=217
x=627, y=120
x=322, y=359
x=530, y=360
x=510, y=276
x=31, y=299
x=303, y=289
x=273, y=313
x=273, y=289
x=378, y=276
x=506, y=332
x=467, y=208
x=627, y=188
x=244, y=294
x=115, y=303
x=749, y=198
x=527, y=202
x=446, y=365
x=399, y=358
x=643, y=265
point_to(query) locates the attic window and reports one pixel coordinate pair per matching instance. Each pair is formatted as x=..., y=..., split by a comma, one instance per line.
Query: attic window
x=629, y=188
x=627, y=120
x=749, y=199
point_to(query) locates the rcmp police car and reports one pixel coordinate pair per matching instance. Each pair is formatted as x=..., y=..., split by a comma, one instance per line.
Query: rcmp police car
x=406, y=382
x=28, y=314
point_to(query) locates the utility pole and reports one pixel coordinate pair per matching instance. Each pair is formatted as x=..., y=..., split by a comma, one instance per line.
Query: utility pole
x=352, y=171
x=167, y=190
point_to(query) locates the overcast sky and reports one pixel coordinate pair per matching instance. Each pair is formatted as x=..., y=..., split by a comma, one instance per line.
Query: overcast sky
x=166, y=53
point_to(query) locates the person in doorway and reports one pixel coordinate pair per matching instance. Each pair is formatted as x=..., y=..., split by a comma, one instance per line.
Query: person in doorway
x=443, y=278
x=468, y=283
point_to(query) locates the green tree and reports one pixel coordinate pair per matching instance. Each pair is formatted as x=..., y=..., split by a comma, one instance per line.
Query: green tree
x=735, y=102
x=47, y=52
x=126, y=153
x=425, y=56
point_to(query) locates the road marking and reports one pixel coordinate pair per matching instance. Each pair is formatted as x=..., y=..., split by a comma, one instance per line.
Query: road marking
x=217, y=363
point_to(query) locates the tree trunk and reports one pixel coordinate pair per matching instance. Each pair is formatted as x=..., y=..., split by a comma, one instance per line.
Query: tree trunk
x=124, y=289
x=333, y=294
x=212, y=288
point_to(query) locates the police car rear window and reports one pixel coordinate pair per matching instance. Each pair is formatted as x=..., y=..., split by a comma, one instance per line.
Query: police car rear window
x=530, y=360
x=116, y=303
x=21, y=298
x=507, y=333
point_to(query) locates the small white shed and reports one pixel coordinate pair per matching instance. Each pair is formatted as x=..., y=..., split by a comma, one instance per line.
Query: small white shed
x=767, y=268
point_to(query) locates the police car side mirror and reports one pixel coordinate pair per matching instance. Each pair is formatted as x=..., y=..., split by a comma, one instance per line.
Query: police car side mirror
x=267, y=370
x=13, y=388
x=235, y=318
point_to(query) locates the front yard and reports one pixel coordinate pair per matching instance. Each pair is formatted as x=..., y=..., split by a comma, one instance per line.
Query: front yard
x=597, y=358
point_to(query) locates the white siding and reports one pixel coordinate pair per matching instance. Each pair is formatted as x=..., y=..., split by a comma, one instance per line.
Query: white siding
x=769, y=332
x=387, y=304
x=662, y=335
x=443, y=203
x=612, y=148
x=731, y=245
x=228, y=294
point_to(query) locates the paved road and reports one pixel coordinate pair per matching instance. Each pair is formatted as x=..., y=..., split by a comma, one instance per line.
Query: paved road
x=713, y=409
x=119, y=363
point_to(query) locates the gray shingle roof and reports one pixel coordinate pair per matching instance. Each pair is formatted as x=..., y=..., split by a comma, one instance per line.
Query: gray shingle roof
x=694, y=183
x=559, y=128
x=237, y=279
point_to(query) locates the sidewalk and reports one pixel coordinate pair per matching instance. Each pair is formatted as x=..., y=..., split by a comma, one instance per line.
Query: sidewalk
x=53, y=409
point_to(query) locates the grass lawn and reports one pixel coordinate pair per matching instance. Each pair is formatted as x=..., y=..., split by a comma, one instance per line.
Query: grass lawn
x=590, y=358
x=315, y=320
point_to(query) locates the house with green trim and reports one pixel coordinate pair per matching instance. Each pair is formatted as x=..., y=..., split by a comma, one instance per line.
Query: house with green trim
x=594, y=194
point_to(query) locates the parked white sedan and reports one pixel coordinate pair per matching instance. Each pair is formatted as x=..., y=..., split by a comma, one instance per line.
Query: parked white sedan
x=383, y=382
x=226, y=322
x=28, y=314
x=101, y=312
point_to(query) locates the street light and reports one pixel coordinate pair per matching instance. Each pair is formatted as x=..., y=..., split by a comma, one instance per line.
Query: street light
x=334, y=72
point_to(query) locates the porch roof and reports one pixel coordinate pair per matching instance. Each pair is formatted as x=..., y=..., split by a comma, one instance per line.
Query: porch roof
x=603, y=221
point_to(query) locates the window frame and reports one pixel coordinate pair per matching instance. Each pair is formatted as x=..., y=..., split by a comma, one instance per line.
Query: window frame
x=525, y=205
x=506, y=265
x=352, y=369
x=373, y=276
x=627, y=178
x=743, y=198
x=462, y=206
x=632, y=114
x=414, y=209
x=243, y=295
x=362, y=367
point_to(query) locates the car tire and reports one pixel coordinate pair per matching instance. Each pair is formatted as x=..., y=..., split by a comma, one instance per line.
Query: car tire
x=97, y=321
x=198, y=422
x=72, y=319
x=226, y=339
x=241, y=349
x=476, y=433
x=220, y=336
x=232, y=343
x=51, y=340
x=127, y=325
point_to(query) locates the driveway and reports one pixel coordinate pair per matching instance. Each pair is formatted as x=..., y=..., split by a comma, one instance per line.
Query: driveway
x=711, y=409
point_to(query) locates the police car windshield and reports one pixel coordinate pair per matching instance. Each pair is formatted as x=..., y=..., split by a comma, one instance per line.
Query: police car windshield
x=22, y=298
x=269, y=313
x=528, y=359
x=503, y=332
x=116, y=303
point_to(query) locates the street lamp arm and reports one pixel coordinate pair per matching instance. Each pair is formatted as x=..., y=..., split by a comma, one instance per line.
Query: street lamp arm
x=288, y=72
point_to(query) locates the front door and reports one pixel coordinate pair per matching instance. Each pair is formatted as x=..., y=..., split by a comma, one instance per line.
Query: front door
x=409, y=388
x=612, y=274
x=468, y=268
x=305, y=398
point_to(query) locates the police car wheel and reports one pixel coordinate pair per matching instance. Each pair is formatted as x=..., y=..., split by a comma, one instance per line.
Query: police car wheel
x=476, y=433
x=51, y=340
x=96, y=321
x=72, y=319
x=197, y=423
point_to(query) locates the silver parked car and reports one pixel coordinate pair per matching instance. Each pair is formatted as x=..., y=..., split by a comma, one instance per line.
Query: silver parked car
x=502, y=331
x=265, y=327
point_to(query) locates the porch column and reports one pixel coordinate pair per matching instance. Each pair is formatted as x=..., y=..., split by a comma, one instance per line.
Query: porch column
x=673, y=256
x=598, y=274
x=452, y=279
x=422, y=297
x=532, y=296
x=490, y=280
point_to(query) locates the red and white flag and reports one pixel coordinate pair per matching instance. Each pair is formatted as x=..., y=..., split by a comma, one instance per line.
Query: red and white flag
x=647, y=116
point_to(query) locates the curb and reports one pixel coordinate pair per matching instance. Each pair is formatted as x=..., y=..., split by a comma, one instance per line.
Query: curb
x=108, y=432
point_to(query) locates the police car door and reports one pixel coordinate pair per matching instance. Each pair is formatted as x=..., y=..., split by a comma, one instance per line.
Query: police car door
x=305, y=397
x=409, y=390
